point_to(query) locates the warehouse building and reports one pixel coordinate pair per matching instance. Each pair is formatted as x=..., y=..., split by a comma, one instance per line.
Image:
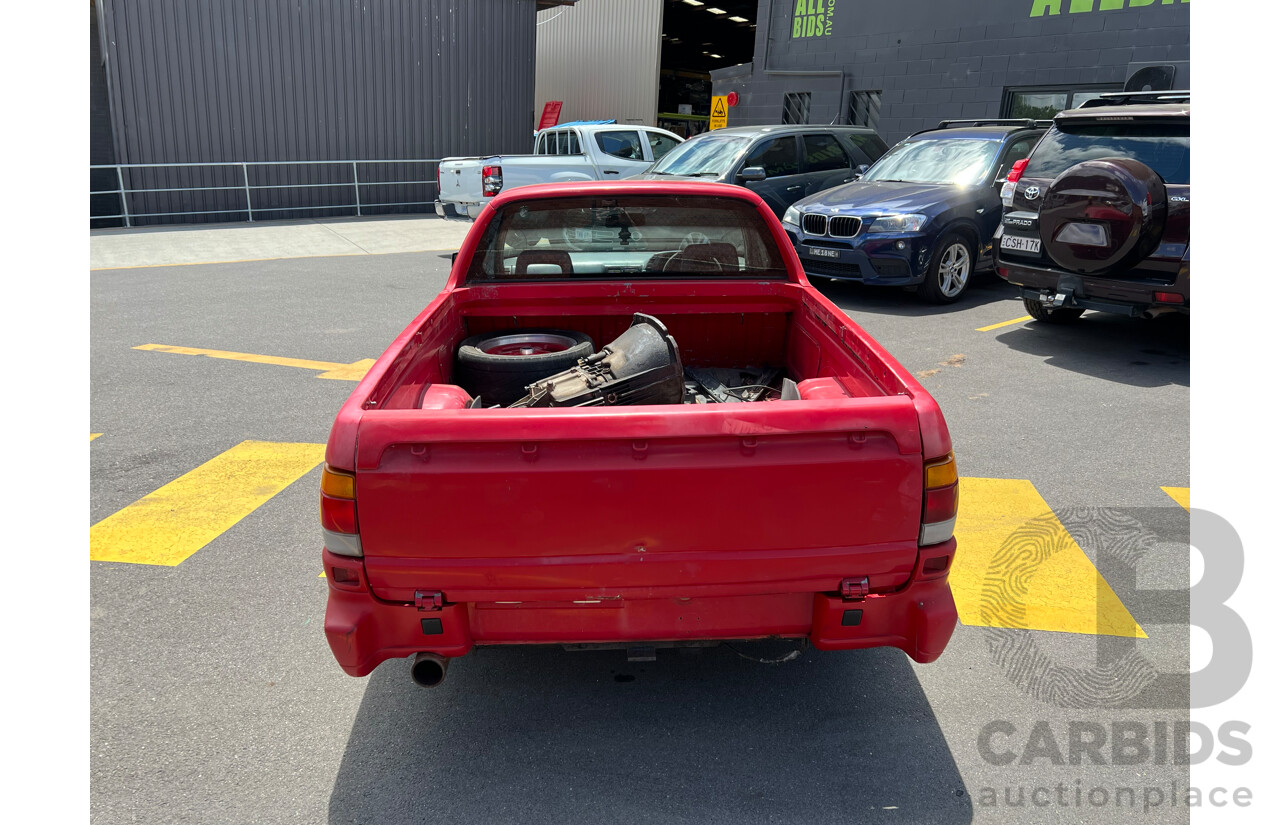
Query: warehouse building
x=640, y=61
x=904, y=66
x=251, y=83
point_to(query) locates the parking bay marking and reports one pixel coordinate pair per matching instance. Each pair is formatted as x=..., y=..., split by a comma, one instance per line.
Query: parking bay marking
x=328, y=369
x=1021, y=320
x=1063, y=592
x=169, y=525
x=1182, y=495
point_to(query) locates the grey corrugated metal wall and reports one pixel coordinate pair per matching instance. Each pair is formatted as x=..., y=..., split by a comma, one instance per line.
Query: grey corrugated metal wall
x=260, y=80
x=101, y=149
x=601, y=57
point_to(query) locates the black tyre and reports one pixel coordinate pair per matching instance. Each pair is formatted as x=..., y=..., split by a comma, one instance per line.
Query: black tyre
x=1050, y=315
x=950, y=270
x=497, y=366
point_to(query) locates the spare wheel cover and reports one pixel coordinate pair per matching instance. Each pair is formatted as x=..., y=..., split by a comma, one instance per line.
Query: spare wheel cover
x=1102, y=215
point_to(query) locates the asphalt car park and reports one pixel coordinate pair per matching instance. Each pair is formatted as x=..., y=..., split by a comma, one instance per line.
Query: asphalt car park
x=216, y=699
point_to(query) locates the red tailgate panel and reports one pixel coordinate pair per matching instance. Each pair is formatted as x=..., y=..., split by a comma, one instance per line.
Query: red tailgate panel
x=577, y=516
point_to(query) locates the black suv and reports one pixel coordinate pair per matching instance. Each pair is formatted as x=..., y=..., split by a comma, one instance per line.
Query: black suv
x=1099, y=216
x=781, y=164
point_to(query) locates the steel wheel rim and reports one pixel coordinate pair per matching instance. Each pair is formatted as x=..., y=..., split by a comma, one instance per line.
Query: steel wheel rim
x=526, y=343
x=953, y=271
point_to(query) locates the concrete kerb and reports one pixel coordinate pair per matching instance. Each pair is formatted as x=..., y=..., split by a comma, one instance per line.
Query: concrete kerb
x=221, y=243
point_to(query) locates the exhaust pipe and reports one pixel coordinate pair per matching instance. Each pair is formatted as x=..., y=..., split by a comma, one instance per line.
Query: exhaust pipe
x=428, y=669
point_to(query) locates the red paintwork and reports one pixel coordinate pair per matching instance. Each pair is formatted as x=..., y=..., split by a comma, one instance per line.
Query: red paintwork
x=640, y=524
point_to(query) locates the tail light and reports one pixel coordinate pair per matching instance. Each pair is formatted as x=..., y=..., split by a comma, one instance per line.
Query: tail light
x=437, y=180
x=492, y=176
x=338, y=512
x=941, y=498
x=1015, y=172
x=1003, y=272
x=1168, y=297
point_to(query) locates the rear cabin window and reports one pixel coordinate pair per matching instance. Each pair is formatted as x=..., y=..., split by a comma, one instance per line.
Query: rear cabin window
x=823, y=153
x=660, y=144
x=1165, y=147
x=620, y=144
x=669, y=236
x=777, y=157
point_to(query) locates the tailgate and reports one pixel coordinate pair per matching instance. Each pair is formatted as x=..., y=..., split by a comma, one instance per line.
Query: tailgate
x=460, y=180
x=531, y=505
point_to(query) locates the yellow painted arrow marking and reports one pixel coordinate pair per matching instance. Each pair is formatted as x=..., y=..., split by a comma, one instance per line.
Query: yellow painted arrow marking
x=1017, y=566
x=169, y=525
x=92, y=436
x=1182, y=495
x=328, y=369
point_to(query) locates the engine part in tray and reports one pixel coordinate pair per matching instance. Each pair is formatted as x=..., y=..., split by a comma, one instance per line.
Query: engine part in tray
x=640, y=366
x=498, y=366
x=706, y=385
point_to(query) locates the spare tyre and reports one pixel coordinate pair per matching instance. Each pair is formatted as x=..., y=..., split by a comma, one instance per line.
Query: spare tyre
x=497, y=366
x=1103, y=215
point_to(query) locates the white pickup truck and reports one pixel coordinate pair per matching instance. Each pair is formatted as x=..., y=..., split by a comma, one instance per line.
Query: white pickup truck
x=569, y=152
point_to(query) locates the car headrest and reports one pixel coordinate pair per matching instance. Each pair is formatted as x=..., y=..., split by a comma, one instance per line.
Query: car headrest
x=543, y=257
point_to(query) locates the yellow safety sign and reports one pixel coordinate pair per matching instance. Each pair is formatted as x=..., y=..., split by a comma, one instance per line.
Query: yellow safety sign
x=719, y=112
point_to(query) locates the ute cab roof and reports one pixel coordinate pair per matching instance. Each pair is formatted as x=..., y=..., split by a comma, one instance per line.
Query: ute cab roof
x=622, y=190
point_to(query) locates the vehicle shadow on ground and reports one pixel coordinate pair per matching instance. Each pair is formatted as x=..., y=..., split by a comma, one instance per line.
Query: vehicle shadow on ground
x=704, y=736
x=1141, y=353
x=986, y=288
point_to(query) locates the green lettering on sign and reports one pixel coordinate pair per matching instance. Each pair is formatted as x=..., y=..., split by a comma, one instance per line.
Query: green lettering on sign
x=812, y=18
x=1041, y=8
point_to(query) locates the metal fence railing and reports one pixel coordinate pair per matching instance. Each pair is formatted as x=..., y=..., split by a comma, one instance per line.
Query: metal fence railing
x=154, y=191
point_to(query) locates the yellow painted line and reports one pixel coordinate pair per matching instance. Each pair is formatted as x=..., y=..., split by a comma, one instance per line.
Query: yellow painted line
x=1021, y=320
x=328, y=369
x=92, y=436
x=168, y=526
x=1017, y=566
x=1182, y=495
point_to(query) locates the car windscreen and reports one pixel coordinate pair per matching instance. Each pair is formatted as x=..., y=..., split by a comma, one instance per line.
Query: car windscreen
x=946, y=160
x=1165, y=147
x=710, y=156
x=650, y=236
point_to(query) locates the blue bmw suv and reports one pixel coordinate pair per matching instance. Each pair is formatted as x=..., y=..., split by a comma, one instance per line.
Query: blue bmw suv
x=922, y=216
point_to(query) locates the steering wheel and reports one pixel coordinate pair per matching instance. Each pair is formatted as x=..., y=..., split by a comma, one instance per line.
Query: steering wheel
x=677, y=263
x=693, y=238
x=517, y=239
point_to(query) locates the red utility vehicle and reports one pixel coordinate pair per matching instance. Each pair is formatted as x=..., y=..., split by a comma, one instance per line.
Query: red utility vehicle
x=821, y=511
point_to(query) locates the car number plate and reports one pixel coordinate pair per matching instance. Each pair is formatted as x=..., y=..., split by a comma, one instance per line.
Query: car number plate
x=825, y=253
x=1020, y=244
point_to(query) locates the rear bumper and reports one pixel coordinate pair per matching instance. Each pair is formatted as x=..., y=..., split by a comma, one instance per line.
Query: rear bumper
x=364, y=631
x=459, y=211
x=1098, y=293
